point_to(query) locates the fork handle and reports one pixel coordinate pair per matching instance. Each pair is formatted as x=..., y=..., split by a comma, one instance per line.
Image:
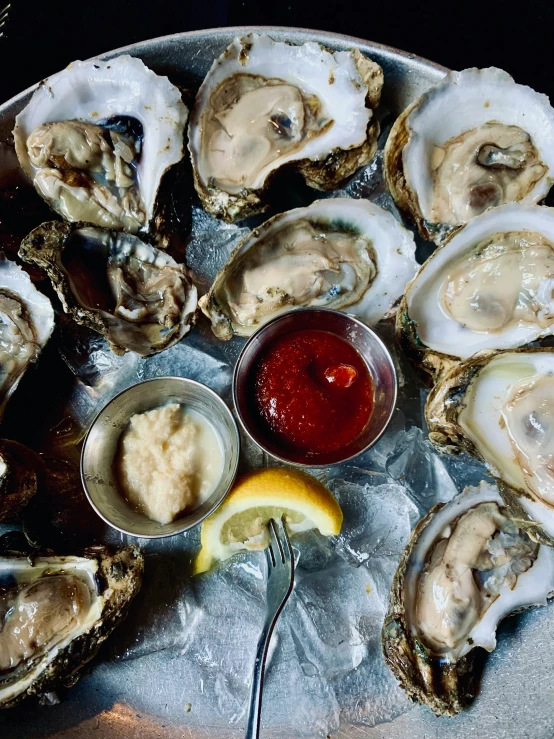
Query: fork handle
x=255, y=709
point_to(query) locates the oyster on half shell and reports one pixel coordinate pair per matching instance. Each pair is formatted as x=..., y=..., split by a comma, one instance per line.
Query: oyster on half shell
x=137, y=296
x=97, y=139
x=55, y=612
x=474, y=141
x=26, y=324
x=466, y=567
x=345, y=254
x=500, y=408
x=266, y=104
x=488, y=287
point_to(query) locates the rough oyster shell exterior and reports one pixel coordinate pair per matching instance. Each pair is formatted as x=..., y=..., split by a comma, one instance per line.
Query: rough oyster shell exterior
x=118, y=578
x=503, y=219
x=44, y=247
x=19, y=478
x=430, y=365
x=448, y=682
x=442, y=410
x=327, y=168
x=388, y=247
x=446, y=689
x=510, y=103
x=97, y=91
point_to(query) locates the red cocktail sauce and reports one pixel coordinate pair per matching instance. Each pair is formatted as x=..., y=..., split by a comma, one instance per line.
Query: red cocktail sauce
x=313, y=391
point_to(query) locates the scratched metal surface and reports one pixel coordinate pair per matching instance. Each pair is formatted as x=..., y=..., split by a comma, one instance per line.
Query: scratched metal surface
x=517, y=697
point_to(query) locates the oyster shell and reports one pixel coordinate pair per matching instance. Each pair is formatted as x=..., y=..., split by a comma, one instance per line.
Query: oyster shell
x=97, y=139
x=266, y=104
x=475, y=140
x=465, y=568
x=19, y=478
x=488, y=287
x=339, y=253
x=56, y=612
x=58, y=518
x=137, y=296
x=499, y=408
x=21, y=208
x=26, y=323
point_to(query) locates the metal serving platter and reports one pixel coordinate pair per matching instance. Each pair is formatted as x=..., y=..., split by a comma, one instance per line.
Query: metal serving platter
x=517, y=697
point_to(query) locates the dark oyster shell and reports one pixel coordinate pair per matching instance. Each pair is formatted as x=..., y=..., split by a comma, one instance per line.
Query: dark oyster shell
x=118, y=580
x=445, y=674
x=446, y=688
x=136, y=296
x=19, y=482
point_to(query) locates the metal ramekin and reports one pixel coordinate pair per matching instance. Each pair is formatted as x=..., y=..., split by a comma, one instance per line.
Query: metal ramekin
x=101, y=445
x=362, y=338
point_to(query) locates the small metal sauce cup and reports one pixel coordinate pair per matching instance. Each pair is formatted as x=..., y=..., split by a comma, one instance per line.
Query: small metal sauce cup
x=362, y=338
x=101, y=444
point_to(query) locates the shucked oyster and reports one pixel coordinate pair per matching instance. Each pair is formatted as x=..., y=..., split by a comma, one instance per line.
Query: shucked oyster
x=500, y=408
x=466, y=567
x=56, y=612
x=97, y=139
x=26, y=323
x=339, y=253
x=137, y=296
x=488, y=287
x=475, y=140
x=265, y=104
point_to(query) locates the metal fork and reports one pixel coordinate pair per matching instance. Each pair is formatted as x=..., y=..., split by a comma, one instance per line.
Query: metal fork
x=280, y=580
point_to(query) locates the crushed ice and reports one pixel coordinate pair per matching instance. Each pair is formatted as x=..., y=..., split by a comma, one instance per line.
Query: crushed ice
x=327, y=648
x=327, y=644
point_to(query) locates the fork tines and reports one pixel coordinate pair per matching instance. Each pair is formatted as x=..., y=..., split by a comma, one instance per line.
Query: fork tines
x=280, y=549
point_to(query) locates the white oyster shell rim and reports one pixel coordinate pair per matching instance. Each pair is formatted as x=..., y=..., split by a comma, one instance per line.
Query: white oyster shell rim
x=440, y=331
x=467, y=99
x=87, y=569
x=533, y=587
x=39, y=307
x=393, y=246
x=95, y=90
x=481, y=420
x=308, y=67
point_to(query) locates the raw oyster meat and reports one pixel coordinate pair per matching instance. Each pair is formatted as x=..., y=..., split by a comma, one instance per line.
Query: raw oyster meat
x=137, y=296
x=339, y=253
x=26, y=323
x=475, y=140
x=467, y=566
x=98, y=137
x=55, y=612
x=488, y=287
x=500, y=408
x=266, y=104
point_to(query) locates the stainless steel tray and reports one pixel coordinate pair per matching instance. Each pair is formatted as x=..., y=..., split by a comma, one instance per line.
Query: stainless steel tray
x=517, y=696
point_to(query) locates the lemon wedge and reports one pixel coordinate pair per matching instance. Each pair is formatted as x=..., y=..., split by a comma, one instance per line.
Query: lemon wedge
x=241, y=521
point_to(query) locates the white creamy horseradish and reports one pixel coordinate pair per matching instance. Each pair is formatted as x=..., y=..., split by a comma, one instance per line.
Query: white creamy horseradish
x=171, y=460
